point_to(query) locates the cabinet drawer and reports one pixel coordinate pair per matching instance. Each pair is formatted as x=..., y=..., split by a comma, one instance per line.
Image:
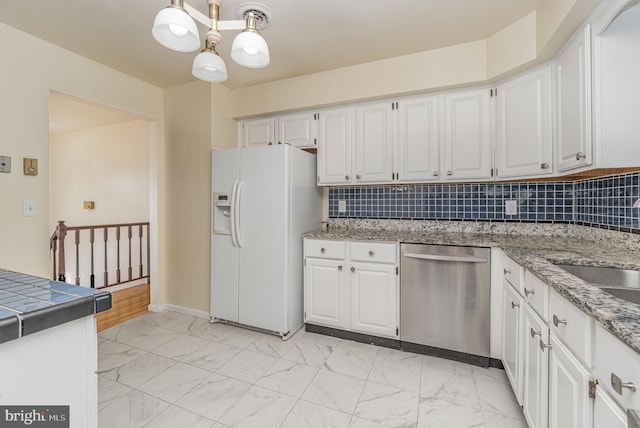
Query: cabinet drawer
x=324, y=249
x=374, y=252
x=613, y=357
x=572, y=326
x=513, y=273
x=536, y=293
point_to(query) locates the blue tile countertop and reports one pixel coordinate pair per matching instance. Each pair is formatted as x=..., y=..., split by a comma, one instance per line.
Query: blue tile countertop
x=29, y=304
x=539, y=255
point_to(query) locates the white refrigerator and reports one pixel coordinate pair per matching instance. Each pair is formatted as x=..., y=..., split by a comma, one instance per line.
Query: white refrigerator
x=264, y=199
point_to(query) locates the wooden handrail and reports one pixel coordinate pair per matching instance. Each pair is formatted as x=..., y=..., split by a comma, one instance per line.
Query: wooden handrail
x=57, y=247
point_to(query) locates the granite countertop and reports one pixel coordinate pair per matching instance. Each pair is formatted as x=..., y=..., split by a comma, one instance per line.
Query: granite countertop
x=538, y=254
x=29, y=304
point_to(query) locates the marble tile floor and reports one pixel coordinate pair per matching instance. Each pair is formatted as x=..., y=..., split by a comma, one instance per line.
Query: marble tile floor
x=171, y=370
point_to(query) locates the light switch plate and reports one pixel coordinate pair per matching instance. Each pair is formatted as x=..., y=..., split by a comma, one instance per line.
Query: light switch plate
x=511, y=207
x=30, y=208
x=5, y=163
x=30, y=166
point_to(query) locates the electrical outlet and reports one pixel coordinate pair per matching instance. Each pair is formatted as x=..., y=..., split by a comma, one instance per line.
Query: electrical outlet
x=5, y=164
x=342, y=206
x=511, y=207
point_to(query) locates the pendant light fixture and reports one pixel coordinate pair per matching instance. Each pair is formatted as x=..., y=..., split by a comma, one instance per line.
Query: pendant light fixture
x=175, y=28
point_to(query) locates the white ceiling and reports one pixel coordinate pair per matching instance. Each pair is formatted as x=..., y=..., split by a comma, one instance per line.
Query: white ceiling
x=306, y=36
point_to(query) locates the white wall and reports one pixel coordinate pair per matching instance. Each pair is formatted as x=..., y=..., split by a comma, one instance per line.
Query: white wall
x=108, y=165
x=30, y=69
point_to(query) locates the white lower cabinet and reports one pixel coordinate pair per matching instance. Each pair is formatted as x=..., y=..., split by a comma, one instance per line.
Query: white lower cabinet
x=512, y=309
x=569, y=403
x=356, y=289
x=325, y=292
x=535, y=369
x=374, y=305
x=606, y=413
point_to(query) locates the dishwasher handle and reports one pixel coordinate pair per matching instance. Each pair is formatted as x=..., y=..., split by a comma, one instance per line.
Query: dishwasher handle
x=466, y=259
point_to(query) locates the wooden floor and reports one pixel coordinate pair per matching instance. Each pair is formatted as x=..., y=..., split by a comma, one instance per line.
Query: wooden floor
x=126, y=304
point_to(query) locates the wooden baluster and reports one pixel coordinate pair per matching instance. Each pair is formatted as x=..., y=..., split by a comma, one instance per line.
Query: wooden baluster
x=117, y=254
x=140, y=239
x=91, y=239
x=106, y=274
x=130, y=270
x=77, y=257
x=61, y=230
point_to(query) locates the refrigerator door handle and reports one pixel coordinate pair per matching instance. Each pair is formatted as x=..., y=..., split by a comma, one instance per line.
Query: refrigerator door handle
x=234, y=197
x=237, y=214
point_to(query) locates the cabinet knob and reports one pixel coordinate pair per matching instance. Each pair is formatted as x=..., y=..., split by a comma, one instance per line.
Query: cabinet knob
x=353, y=269
x=544, y=346
x=617, y=384
x=346, y=177
x=534, y=333
x=322, y=250
x=507, y=272
x=544, y=165
x=436, y=173
x=580, y=155
x=557, y=321
x=340, y=268
x=357, y=176
x=514, y=305
x=449, y=172
x=527, y=292
x=371, y=253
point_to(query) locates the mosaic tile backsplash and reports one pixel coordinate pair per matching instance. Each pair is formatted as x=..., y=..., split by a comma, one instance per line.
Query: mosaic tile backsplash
x=604, y=202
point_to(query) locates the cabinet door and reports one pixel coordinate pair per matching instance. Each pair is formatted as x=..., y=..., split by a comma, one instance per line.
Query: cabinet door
x=512, y=304
x=573, y=85
x=535, y=370
x=335, y=145
x=300, y=129
x=524, y=119
x=569, y=402
x=418, y=140
x=324, y=292
x=374, y=143
x=467, y=136
x=606, y=413
x=374, y=299
x=258, y=132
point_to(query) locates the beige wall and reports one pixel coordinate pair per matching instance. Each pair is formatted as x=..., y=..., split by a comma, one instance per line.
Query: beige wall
x=108, y=165
x=25, y=81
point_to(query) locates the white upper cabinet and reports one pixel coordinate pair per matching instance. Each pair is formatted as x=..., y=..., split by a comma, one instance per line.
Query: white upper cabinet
x=573, y=96
x=467, y=136
x=299, y=129
x=418, y=143
x=335, y=146
x=524, y=136
x=258, y=132
x=374, y=143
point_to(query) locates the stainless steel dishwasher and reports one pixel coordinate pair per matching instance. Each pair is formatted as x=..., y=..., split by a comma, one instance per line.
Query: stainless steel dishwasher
x=445, y=301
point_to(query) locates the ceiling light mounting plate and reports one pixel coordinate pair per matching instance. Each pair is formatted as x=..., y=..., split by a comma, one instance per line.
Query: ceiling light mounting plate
x=261, y=12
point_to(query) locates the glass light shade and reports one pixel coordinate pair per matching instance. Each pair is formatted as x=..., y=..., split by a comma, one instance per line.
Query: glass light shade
x=249, y=49
x=173, y=28
x=209, y=66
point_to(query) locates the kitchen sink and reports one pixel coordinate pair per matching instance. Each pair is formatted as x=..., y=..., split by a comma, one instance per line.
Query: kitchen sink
x=622, y=283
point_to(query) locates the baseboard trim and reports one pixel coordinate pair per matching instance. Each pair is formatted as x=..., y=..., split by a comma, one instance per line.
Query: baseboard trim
x=180, y=309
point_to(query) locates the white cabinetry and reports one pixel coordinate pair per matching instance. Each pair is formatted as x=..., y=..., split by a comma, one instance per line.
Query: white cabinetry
x=524, y=125
x=606, y=413
x=335, y=146
x=512, y=309
x=573, y=111
x=467, y=153
x=536, y=369
x=299, y=129
x=374, y=143
x=358, y=291
x=418, y=144
x=258, y=132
